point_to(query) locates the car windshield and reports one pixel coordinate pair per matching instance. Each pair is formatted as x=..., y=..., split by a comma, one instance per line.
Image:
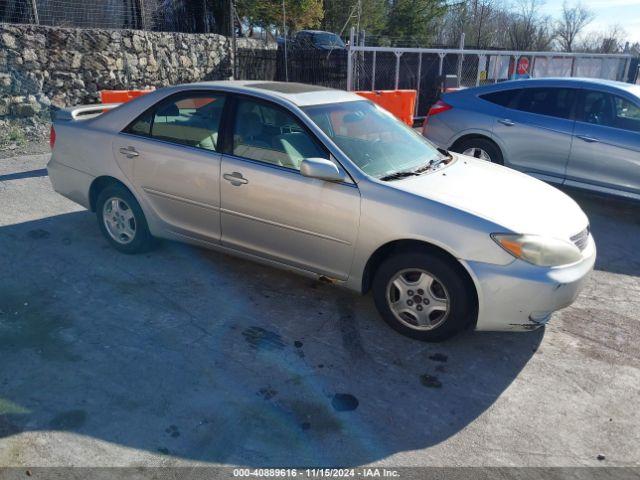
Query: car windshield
x=327, y=40
x=372, y=138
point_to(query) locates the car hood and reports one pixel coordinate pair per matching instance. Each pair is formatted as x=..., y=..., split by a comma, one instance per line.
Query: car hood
x=513, y=200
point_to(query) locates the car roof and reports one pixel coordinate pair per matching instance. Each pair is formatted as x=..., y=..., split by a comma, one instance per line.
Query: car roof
x=299, y=94
x=318, y=31
x=578, y=82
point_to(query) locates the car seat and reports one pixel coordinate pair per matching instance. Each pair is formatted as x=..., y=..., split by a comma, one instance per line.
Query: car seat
x=297, y=146
x=249, y=141
x=599, y=112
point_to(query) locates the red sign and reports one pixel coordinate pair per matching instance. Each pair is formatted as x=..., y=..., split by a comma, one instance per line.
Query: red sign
x=523, y=66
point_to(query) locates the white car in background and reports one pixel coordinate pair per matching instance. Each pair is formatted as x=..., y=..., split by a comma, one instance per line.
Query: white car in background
x=327, y=184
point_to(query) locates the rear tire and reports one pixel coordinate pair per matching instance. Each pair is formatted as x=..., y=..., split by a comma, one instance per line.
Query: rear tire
x=423, y=296
x=122, y=221
x=480, y=148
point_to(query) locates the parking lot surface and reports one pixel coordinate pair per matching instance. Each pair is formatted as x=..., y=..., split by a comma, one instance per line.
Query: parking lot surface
x=185, y=356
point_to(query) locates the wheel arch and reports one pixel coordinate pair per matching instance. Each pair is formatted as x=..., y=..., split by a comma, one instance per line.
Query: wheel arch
x=472, y=136
x=99, y=184
x=410, y=245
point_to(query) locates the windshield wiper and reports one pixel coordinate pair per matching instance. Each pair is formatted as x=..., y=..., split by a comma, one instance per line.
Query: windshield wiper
x=431, y=164
x=434, y=162
x=399, y=175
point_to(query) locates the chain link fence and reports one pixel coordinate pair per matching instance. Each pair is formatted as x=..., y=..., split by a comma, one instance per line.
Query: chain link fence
x=313, y=66
x=187, y=16
x=390, y=70
x=429, y=71
x=387, y=63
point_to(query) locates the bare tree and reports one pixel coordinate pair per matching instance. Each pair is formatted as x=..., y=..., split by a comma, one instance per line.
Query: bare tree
x=453, y=24
x=573, y=21
x=544, y=35
x=610, y=41
x=526, y=29
x=512, y=24
x=479, y=29
x=613, y=40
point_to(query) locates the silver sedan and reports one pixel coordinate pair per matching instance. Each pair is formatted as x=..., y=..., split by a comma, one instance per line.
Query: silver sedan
x=327, y=184
x=583, y=133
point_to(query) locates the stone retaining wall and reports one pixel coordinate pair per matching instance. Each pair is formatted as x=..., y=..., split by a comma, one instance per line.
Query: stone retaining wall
x=42, y=67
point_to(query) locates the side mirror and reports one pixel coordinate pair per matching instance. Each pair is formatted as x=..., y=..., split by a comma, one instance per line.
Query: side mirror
x=321, y=168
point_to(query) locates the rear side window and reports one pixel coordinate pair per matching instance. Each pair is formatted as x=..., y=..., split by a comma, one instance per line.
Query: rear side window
x=553, y=102
x=189, y=120
x=185, y=119
x=504, y=98
x=142, y=125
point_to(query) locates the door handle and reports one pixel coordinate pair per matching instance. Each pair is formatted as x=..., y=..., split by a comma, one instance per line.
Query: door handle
x=588, y=139
x=235, y=178
x=507, y=122
x=129, y=152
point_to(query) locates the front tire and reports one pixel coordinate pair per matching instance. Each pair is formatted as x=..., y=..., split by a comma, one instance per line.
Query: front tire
x=423, y=296
x=122, y=221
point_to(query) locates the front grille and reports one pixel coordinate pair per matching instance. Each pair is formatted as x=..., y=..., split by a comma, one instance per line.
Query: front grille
x=581, y=239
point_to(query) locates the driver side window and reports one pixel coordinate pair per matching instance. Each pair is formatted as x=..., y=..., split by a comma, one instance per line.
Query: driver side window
x=597, y=108
x=271, y=135
x=602, y=108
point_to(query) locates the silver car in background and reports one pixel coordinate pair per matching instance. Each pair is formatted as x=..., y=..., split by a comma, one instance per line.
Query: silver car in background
x=328, y=184
x=581, y=133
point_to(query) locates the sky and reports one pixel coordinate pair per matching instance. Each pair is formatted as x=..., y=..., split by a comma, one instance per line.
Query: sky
x=607, y=12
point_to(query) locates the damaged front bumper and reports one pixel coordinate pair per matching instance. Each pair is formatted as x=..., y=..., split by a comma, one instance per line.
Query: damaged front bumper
x=521, y=296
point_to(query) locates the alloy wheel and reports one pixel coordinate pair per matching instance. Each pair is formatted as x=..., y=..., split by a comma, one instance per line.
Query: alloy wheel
x=418, y=299
x=119, y=220
x=478, y=153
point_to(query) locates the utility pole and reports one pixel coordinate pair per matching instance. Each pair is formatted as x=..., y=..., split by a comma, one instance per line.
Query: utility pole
x=205, y=17
x=359, y=15
x=284, y=32
x=143, y=22
x=234, y=50
x=34, y=10
x=460, y=59
x=350, y=59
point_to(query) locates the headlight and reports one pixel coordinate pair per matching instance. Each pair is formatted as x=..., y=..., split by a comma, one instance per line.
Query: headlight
x=538, y=250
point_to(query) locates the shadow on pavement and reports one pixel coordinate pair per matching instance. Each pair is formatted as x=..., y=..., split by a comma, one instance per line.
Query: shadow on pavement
x=202, y=356
x=41, y=172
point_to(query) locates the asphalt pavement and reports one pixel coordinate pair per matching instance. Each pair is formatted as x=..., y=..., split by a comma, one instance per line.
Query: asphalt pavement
x=184, y=356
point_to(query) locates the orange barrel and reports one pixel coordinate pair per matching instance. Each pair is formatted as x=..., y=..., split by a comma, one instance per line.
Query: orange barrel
x=402, y=103
x=120, y=96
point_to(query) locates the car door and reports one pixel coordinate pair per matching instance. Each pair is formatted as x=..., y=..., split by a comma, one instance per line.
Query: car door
x=606, y=146
x=169, y=154
x=535, y=129
x=269, y=208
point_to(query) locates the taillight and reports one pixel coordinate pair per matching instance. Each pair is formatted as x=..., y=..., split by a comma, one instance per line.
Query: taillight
x=52, y=137
x=436, y=108
x=439, y=107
